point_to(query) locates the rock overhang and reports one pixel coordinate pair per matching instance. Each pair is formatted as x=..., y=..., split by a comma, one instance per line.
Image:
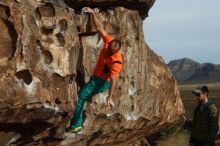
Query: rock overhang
x=142, y=6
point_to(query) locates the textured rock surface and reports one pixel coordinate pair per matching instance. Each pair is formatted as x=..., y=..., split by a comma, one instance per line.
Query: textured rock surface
x=48, y=52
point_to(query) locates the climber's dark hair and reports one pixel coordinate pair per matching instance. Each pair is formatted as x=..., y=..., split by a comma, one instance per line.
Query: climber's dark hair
x=117, y=41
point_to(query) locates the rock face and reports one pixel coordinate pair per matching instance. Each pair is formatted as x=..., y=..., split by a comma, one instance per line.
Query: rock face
x=48, y=52
x=187, y=70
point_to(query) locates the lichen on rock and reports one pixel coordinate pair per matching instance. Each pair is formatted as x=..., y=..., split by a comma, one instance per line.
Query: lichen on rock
x=49, y=50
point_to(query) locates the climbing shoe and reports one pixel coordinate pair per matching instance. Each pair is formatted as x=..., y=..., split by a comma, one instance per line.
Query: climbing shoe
x=75, y=130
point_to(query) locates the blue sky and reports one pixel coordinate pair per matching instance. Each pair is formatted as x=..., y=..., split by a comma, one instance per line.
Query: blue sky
x=185, y=28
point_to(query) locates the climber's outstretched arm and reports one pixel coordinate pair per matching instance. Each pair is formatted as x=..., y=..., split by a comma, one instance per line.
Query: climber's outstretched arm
x=113, y=82
x=95, y=20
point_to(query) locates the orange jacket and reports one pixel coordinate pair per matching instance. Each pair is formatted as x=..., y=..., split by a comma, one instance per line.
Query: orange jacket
x=108, y=65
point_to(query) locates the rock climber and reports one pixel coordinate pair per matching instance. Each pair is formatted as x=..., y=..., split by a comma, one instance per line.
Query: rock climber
x=104, y=76
x=205, y=120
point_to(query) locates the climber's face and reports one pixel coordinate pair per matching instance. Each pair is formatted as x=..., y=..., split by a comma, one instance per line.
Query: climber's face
x=114, y=47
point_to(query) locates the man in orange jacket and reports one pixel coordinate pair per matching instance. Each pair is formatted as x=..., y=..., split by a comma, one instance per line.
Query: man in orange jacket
x=104, y=76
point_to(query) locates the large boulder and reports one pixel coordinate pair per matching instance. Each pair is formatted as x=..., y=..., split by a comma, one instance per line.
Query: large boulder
x=48, y=52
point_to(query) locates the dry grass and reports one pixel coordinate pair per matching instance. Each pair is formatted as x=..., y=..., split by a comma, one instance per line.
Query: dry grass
x=177, y=138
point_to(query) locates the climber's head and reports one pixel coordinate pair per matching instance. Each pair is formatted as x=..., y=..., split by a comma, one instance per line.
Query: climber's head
x=114, y=46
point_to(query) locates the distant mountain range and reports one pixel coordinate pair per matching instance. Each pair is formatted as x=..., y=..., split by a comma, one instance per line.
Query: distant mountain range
x=188, y=70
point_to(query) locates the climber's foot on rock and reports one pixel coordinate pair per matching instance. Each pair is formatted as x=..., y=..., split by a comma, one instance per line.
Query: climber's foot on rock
x=74, y=130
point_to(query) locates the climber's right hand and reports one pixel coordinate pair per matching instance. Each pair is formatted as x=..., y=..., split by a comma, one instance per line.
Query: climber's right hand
x=87, y=10
x=110, y=102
